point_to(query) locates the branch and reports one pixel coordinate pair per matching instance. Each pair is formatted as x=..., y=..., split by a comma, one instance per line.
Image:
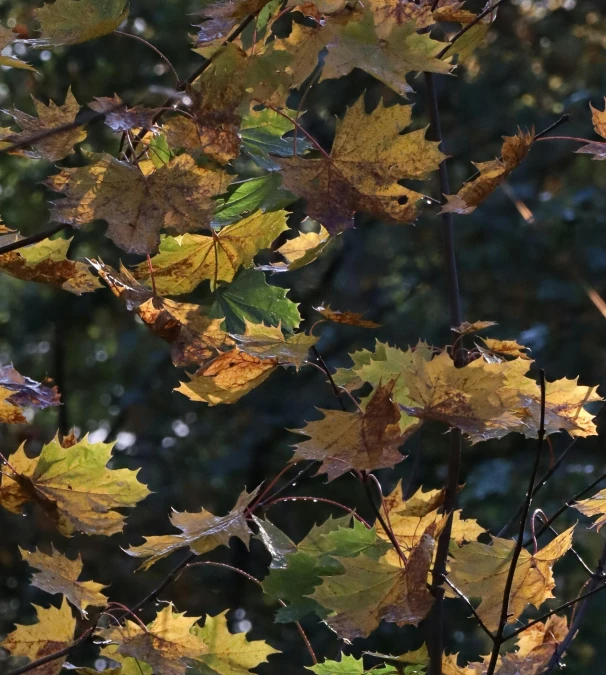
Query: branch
x=158, y=52
x=34, y=239
x=321, y=500
x=333, y=384
x=520, y=540
x=471, y=607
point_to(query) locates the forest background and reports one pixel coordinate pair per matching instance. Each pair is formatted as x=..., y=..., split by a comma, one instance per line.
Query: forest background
x=532, y=258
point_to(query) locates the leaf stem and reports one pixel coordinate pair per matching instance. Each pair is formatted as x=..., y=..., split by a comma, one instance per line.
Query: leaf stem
x=520, y=540
x=333, y=384
x=564, y=138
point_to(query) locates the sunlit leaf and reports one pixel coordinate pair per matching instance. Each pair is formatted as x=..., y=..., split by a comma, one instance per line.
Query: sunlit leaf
x=349, y=318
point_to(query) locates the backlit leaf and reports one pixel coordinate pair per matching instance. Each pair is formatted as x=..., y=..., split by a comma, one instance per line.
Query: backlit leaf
x=597, y=148
x=222, y=16
x=268, y=342
x=467, y=327
x=200, y=532
x=349, y=318
x=594, y=506
x=300, y=251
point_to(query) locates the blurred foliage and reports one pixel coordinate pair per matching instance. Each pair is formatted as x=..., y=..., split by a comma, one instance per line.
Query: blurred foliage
x=532, y=258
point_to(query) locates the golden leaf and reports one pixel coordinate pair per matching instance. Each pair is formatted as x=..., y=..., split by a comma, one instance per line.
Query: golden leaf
x=491, y=174
x=300, y=251
x=59, y=574
x=363, y=440
x=73, y=486
x=466, y=327
x=506, y=348
x=480, y=571
x=201, y=532
x=53, y=631
x=594, y=506
x=136, y=207
x=349, y=318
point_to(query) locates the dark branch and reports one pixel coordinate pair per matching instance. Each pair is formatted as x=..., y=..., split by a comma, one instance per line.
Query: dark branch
x=471, y=607
x=34, y=239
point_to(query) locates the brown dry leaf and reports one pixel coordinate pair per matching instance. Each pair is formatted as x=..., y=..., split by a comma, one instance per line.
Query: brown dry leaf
x=18, y=391
x=73, y=486
x=59, y=574
x=506, y=348
x=57, y=146
x=222, y=16
x=491, y=175
x=597, y=148
x=200, y=532
x=466, y=327
x=480, y=571
x=594, y=506
x=184, y=262
x=349, y=318
x=369, y=592
x=7, y=37
x=229, y=377
x=119, y=118
x=219, y=141
x=46, y=262
x=368, y=157
x=53, y=631
x=300, y=251
x=268, y=342
x=166, y=644
x=194, y=338
x=410, y=518
x=365, y=440
x=136, y=207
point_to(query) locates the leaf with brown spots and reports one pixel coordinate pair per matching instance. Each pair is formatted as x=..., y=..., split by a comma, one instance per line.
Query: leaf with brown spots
x=491, y=175
x=229, y=377
x=466, y=328
x=18, y=391
x=167, y=644
x=56, y=146
x=200, y=532
x=368, y=158
x=364, y=441
x=506, y=348
x=194, y=337
x=53, y=631
x=597, y=148
x=46, y=262
x=136, y=207
x=349, y=318
x=59, y=574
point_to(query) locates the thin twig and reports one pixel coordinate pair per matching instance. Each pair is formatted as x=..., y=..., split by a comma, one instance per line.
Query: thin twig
x=333, y=384
x=565, y=118
x=302, y=474
x=34, y=239
x=321, y=500
x=566, y=138
x=520, y=540
x=158, y=52
x=471, y=607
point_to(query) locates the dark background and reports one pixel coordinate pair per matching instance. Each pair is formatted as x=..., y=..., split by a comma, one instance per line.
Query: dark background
x=541, y=59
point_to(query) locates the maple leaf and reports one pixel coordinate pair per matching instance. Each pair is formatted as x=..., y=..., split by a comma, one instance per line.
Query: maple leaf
x=268, y=342
x=119, y=118
x=349, y=318
x=300, y=251
x=597, y=148
x=368, y=592
x=47, y=262
x=18, y=391
x=201, y=532
x=491, y=175
x=481, y=570
x=167, y=644
x=227, y=378
x=303, y=45
x=184, y=262
x=355, y=44
x=504, y=348
x=222, y=16
x=594, y=506
x=7, y=37
x=53, y=631
x=69, y=22
x=73, y=486
x=136, y=207
x=228, y=653
x=194, y=338
x=368, y=157
x=466, y=328
x=410, y=518
x=59, y=574
x=364, y=441
x=347, y=665
x=56, y=146
x=250, y=298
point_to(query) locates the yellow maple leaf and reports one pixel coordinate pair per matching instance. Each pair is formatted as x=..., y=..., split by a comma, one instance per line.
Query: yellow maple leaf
x=73, y=486
x=166, y=644
x=368, y=157
x=594, y=506
x=201, y=532
x=55, y=146
x=53, y=631
x=300, y=251
x=481, y=570
x=59, y=574
x=184, y=262
x=136, y=207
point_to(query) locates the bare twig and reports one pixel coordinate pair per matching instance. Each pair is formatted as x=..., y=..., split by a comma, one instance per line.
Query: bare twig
x=471, y=607
x=158, y=52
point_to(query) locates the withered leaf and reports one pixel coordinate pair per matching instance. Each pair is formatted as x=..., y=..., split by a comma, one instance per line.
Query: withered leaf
x=368, y=157
x=73, y=486
x=222, y=16
x=365, y=440
x=18, y=391
x=473, y=327
x=59, y=574
x=200, y=532
x=597, y=148
x=119, y=118
x=136, y=207
x=58, y=145
x=349, y=318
